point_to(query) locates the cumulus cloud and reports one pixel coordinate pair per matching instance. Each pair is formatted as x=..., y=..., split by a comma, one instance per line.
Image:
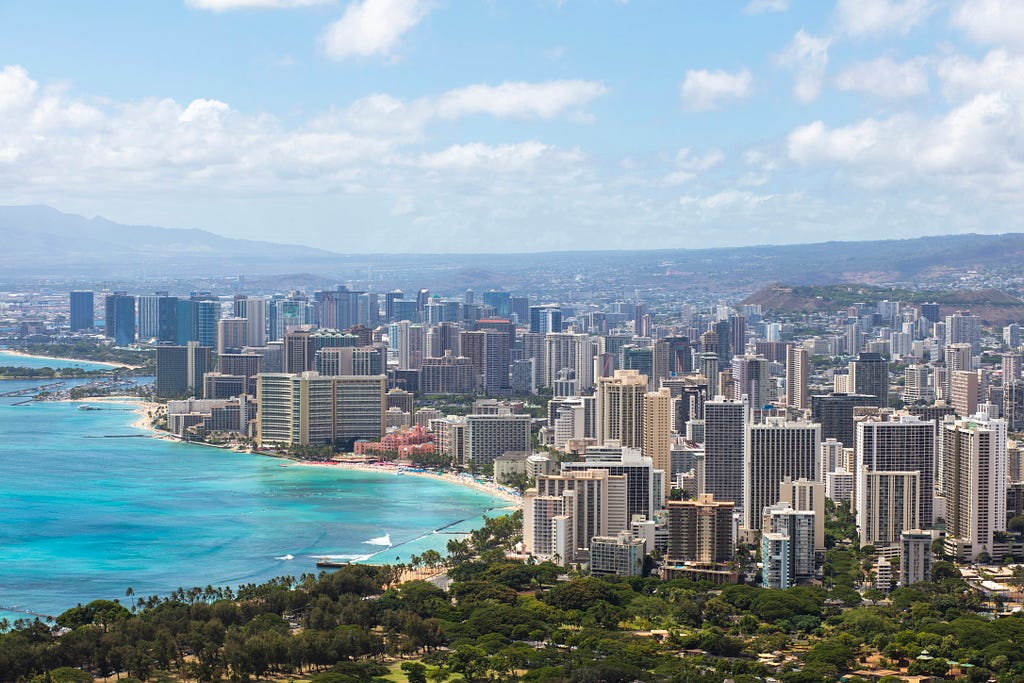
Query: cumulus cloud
x=885, y=78
x=703, y=90
x=372, y=27
x=519, y=100
x=994, y=22
x=726, y=199
x=999, y=71
x=862, y=18
x=688, y=165
x=980, y=135
x=764, y=6
x=17, y=90
x=807, y=56
x=227, y=5
x=53, y=143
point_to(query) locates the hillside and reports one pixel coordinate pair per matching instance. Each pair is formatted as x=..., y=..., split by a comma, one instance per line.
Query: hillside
x=992, y=305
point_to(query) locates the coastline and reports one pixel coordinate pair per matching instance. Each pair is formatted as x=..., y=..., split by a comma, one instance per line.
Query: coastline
x=22, y=354
x=144, y=420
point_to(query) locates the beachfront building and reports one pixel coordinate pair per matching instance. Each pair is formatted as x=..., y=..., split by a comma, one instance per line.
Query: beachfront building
x=313, y=409
x=491, y=436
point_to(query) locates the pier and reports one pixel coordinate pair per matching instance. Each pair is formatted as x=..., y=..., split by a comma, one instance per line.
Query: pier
x=26, y=612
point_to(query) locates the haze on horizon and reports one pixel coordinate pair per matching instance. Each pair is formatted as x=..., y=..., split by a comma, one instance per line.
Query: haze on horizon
x=364, y=126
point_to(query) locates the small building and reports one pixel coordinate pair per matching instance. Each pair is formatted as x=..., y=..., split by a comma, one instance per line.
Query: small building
x=622, y=555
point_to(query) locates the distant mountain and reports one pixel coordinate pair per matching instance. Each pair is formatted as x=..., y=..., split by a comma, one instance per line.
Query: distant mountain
x=43, y=244
x=48, y=242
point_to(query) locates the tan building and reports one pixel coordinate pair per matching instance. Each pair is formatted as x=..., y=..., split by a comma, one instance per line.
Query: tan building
x=657, y=430
x=620, y=408
x=798, y=368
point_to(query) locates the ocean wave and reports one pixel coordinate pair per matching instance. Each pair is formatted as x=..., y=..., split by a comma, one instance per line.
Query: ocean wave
x=352, y=558
x=384, y=540
x=285, y=557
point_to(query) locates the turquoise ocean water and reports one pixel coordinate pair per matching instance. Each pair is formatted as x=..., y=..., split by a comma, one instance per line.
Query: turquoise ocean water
x=90, y=505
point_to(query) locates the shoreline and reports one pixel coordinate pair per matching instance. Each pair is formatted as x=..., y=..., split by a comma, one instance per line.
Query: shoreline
x=22, y=354
x=144, y=420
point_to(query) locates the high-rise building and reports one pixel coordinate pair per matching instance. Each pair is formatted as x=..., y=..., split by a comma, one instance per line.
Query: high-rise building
x=311, y=409
x=750, y=379
x=545, y=319
x=834, y=412
x=254, y=310
x=643, y=481
x=1013, y=406
x=869, y=374
x=887, y=502
x=906, y=445
x=964, y=328
x=808, y=496
x=171, y=371
x=82, y=317
x=964, y=392
x=657, y=433
x=725, y=443
x=700, y=531
x=149, y=316
x=620, y=408
x=798, y=369
x=501, y=302
x=830, y=458
x=447, y=375
x=232, y=335
x=600, y=504
x=1011, y=367
x=491, y=436
x=973, y=482
x=206, y=310
x=916, y=383
x=567, y=352
x=787, y=546
x=916, y=557
x=119, y=320
x=776, y=451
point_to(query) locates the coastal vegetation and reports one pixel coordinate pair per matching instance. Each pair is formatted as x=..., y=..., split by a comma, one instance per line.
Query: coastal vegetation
x=92, y=350
x=506, y=620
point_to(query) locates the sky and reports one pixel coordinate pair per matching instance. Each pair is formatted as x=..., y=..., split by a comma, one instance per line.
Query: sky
x=519, y=125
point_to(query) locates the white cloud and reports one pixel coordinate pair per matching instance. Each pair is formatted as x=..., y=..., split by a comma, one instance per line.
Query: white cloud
x=999, y=71
x=807, y=56
x=519, y=100
x=703, y=90
x=726, y=199
x=995, y=22
x=226, y=5
x=474, y=156
x=885, y=78
x=861, y=18
x=17, y=90
x=981, y=136
x=372, y=27
x=688, y=165
x=764, y=6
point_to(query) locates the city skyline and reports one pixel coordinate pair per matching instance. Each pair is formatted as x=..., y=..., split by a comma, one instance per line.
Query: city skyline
x=488, y=127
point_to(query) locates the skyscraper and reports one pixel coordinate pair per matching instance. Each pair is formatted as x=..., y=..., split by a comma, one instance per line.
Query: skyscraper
x=775, y=451
x=906, y=445
x=973, y=481
x=869, y=374
x=657, y=431
x=725, y=436
x=82, y=314
x=798, y=368
x=620, y=408
x=120, y=318
x=963, y=327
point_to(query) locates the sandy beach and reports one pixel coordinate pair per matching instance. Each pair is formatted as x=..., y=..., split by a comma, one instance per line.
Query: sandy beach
x=144, y=410
x=22, y=354
x=466, y=480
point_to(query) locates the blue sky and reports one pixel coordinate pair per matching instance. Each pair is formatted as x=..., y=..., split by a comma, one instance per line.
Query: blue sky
x=519, y=125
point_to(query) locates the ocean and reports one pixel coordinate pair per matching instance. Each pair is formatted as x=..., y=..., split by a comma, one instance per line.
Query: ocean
x=90, y=506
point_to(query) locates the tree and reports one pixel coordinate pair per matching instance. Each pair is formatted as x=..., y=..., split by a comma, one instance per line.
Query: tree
x=415, y=672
